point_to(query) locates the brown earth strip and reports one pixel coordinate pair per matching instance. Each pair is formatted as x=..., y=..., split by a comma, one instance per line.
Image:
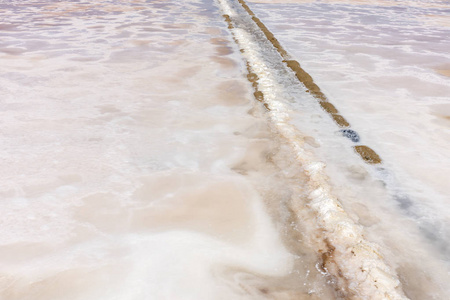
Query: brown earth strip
x=368, y=154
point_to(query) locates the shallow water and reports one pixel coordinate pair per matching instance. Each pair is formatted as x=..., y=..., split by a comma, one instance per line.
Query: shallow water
x=136, y=163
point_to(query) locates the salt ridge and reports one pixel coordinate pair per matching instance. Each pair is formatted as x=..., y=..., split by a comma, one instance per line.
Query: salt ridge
x=354, y=262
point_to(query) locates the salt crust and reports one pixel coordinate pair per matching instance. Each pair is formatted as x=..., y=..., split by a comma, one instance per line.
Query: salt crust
x=366, y=274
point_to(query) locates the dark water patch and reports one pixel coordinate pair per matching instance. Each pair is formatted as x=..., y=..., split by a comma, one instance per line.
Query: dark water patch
x=404, y=202
x=433, y=231
x=350, y=134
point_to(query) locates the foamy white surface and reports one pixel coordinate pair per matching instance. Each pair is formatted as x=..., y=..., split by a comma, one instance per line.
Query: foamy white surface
x=384, y=65
x=125, y=140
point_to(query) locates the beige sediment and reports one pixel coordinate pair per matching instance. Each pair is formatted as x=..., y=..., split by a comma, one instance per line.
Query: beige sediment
x=444, y=72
